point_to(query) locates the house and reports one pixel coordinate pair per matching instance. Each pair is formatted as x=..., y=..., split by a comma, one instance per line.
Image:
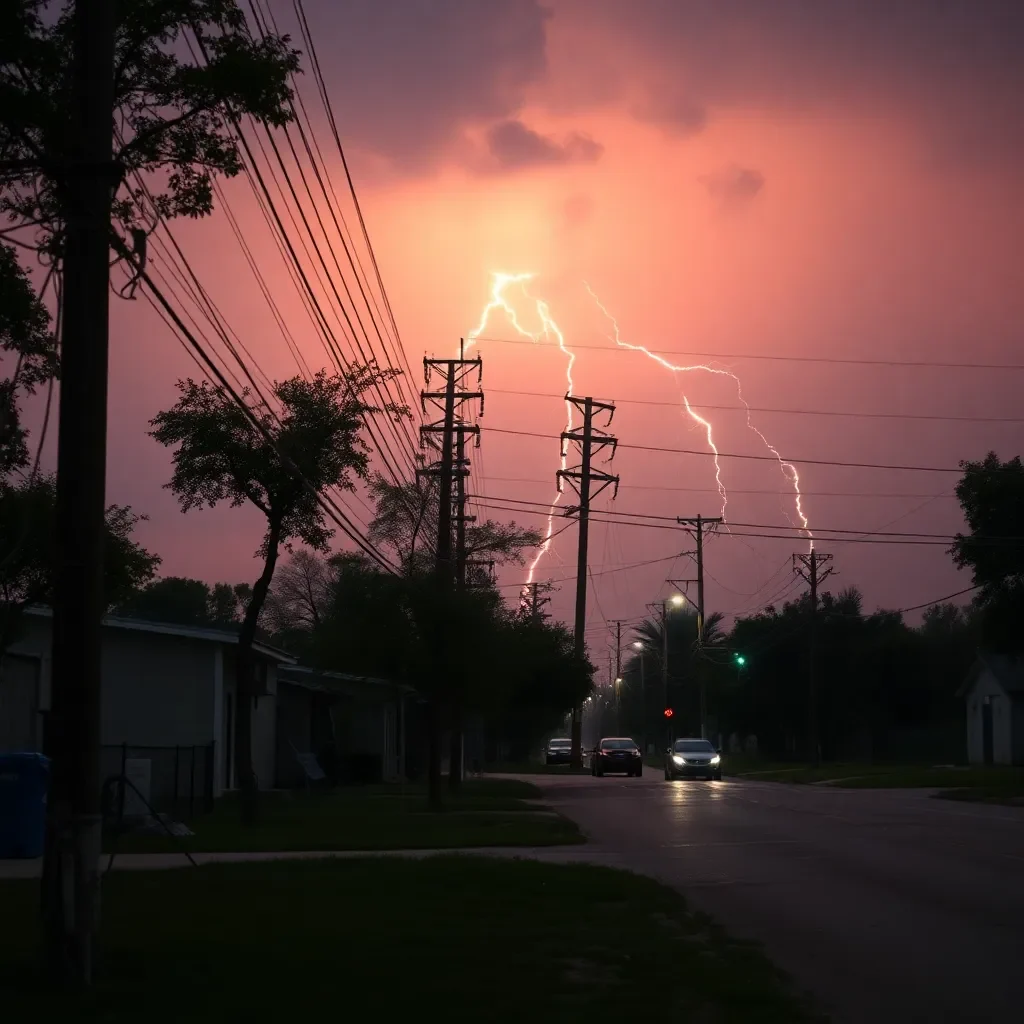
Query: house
x=994, y=693
x=347, y=718
x=168, y=703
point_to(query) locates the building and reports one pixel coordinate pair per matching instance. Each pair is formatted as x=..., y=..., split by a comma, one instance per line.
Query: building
x=168, y=699
x=994, y=694
x=356, y=721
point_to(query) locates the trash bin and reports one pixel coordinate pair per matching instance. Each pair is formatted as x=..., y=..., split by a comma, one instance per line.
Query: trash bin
x=23, y=784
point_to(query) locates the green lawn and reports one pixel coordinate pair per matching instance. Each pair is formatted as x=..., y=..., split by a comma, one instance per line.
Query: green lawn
x=458, y=938
x=489, y=812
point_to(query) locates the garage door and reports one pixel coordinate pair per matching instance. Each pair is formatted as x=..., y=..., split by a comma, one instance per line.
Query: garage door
x=19, y=704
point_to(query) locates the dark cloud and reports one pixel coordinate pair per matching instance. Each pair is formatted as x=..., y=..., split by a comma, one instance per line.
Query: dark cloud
x=956, y=66
x=734, y=186
x=679, y=114
x=514, y=146
x=406, y=77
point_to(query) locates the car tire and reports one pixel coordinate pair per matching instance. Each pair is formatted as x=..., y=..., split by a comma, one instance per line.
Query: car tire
x=639, y=772
x=718, y=777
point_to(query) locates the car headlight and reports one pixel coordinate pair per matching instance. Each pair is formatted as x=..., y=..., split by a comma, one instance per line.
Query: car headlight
x=716, y=760
x=677, y=759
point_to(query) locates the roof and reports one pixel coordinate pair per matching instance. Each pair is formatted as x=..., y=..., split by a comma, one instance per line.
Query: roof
x=1008, y=671
x=329, y=681
x=211, y=634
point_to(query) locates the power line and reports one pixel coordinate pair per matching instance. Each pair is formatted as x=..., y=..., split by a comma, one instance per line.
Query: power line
x=836, y=360
x=740, y=490
x=749, y=526
x=818, y=539
x=787, y=412
x=755, y=458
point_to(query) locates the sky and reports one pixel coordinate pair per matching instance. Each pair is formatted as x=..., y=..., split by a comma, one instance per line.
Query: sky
x=784, y=185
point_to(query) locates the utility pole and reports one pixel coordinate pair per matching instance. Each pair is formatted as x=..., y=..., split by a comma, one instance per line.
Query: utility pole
x=532, y=600
x=71, y=881
x=618, y=671
x=699, y=523
x=590, y=440
x=815, y=569
x=451, y=469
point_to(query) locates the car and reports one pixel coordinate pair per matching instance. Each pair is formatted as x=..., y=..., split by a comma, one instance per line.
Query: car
x=559, y=751
x=693, y=759
x=616, y=754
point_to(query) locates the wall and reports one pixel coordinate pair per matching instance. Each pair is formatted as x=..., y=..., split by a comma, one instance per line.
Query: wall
x=1002, y=730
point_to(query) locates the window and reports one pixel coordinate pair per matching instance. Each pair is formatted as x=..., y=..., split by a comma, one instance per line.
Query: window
x=693, y=747
x=617, y=745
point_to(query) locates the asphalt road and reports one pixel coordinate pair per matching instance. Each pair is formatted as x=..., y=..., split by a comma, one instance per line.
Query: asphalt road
x=886, y=905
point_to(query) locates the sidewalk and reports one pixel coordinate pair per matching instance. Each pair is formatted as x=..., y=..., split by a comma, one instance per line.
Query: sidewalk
x=11, y=869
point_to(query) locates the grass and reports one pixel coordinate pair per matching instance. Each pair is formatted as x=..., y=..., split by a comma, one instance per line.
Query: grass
x=488, y=812
x=460, y=938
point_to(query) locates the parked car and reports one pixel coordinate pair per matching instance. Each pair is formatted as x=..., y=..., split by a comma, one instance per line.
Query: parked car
x=558, y=752
x=693, y=759
x=617, y=754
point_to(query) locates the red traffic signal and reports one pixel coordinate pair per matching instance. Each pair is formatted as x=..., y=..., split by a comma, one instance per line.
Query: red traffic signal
x=669, y=712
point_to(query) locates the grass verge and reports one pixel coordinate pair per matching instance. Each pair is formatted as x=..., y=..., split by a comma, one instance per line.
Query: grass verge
x=534, y=768
x=488, y=812
x=460, y=938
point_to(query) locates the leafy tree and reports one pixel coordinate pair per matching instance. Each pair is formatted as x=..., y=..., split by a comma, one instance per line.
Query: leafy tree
x=991, y=494
x=27, y=509
x=185, y=602
x=172, y=114
x=298, y=600
x=312, y=444
x=28, y=345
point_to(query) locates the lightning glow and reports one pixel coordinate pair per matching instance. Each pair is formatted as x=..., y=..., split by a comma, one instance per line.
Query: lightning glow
x=550, y=329
x=789, y=471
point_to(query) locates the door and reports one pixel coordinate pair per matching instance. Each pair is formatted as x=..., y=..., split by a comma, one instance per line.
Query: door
x=986, y=731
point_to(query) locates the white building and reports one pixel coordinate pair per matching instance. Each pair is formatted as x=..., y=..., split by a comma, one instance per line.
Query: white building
x=168, y=696
x=994, y=693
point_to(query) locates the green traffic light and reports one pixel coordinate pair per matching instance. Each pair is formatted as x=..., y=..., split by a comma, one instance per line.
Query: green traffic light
x=740, y=660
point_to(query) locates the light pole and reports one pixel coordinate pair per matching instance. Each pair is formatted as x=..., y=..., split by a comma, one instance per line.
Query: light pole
x=675, y=601
x=638, y=646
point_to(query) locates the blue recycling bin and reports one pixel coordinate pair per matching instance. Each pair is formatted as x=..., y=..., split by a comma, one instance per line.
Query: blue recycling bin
x=23, y=783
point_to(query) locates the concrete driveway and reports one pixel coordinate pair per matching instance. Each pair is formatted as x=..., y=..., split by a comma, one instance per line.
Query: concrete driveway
x=887, y=905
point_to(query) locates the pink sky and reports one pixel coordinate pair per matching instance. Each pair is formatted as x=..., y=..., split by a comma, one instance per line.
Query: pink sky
x=840, y=184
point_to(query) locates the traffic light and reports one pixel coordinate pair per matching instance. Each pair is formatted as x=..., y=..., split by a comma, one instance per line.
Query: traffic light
x=740, y=660
x=668, y=712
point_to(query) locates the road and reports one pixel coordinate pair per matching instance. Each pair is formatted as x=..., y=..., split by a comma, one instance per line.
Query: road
x=886, y=905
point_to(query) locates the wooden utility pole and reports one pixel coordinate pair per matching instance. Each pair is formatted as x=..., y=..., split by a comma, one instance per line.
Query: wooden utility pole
x=451, y=469
x=813, y=568
x=589, y=440
x=699, y=524
x=533, y=599
x=88, y=179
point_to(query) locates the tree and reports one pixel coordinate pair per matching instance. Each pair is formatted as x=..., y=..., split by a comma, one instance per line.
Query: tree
x=298, y=599
x=184, y=601
x=312, y=444
x=991, y=494
x=27, y=555
x=24, y=335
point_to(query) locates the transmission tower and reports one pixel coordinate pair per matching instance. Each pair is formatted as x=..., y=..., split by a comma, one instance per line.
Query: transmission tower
x=447, y=436
x=815, y=569
x=589, y=440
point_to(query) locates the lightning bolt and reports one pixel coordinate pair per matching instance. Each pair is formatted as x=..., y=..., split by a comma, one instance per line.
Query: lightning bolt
x=550, y=329
x=789, y=471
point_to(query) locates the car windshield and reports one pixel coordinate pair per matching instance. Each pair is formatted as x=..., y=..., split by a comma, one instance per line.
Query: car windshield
x=693, y=747
x=617, y=744
x=560, y=743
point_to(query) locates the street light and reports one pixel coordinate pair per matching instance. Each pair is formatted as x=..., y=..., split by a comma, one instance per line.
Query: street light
x=677, y=600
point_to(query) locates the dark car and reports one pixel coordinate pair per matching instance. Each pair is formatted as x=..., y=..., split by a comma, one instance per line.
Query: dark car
x=693, y=759
x=616, y=754
x=558, y=752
